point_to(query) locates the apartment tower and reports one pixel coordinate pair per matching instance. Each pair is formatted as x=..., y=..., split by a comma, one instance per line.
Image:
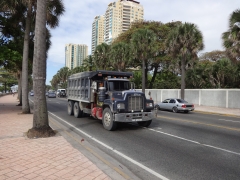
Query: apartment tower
x=97, y=32
x=119, y=16
x=75, y=54
x=117, y=19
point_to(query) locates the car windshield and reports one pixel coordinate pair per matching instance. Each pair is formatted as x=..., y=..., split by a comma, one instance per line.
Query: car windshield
x=181, y=101
x=118, y=85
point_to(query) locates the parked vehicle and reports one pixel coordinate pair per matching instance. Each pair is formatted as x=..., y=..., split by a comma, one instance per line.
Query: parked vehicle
x=31, y=93
x=52, y=94
x=61, y=93
x=175, y=105
x=108, y=96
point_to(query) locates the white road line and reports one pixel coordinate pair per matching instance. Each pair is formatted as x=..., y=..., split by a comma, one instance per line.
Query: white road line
x=225, y=150
x=228, y=120
x=112, y=149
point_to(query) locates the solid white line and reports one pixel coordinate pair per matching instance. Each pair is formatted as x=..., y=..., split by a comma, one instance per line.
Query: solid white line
x=174, y=136
x=225, y=150
x=117, y=152
x=221, y=149
x=228, y=120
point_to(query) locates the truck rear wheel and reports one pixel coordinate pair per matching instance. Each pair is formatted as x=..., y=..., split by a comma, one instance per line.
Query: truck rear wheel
x=70, y=108
x=107, y=120
x=77, y=111
x=144, y=123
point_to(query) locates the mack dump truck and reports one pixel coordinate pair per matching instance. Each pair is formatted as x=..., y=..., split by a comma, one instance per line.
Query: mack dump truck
x=108, y=96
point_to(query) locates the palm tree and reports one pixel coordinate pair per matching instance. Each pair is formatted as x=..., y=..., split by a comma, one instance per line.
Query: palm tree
x=40, y=117
x=231, y=38
x=28, y=7
x=88, y=63
x=143, y=47
x=119, y=55
x=101, y=56
x=184, y=42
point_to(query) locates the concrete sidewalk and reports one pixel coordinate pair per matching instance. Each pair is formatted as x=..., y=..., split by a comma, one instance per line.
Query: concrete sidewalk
x=218, y=110
x=42, y=158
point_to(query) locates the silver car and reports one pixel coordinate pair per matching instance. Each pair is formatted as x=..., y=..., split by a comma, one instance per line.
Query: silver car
x=175, y=105
x=51, y=94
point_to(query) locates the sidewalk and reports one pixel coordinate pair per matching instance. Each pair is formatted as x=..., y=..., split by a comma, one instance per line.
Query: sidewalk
x=44, y=158
x=218, y=110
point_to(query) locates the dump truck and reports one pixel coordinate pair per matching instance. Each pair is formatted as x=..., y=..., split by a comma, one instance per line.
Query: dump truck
x=109, y=96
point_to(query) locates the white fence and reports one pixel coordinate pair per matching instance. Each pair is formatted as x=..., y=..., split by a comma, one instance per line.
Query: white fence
x=227, y=98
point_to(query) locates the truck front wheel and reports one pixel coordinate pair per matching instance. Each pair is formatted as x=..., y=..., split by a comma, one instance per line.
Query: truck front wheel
x=107, y=120
x=144, y=123
x=70, y=108
x=77, y=111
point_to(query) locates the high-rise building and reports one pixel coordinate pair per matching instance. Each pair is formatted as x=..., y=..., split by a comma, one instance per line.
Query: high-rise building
x=97, y=32
x=75, y=54
x=117, y=19
x=119, y=16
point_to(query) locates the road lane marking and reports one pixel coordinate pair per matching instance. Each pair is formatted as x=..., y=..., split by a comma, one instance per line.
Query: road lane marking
x=195, y=142
x=95, y=154
x=228, y=120
x=223, y=127
x=115, y=151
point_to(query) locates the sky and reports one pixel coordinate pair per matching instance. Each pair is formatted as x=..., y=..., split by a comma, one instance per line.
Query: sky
x=210, y=16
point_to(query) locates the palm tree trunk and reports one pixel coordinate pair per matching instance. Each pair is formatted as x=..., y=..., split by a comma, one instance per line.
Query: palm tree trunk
x=40, y=116
x=143, y=76
x=25, y=103
x=183, y=85
x=20, y=89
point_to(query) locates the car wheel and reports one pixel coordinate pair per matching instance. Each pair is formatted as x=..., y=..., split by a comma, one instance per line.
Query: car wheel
x=70, y=108
x=175, y=110
x=107, y=120
x=77, y=111
x=144, y=123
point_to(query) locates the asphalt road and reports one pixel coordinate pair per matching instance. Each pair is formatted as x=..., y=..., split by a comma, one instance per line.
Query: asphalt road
x=175, y=146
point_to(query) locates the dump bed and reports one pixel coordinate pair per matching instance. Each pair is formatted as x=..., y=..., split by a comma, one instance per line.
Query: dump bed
x=79, y=84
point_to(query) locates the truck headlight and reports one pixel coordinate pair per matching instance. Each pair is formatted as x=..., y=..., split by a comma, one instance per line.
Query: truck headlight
x=149, y=104
x=121, y=106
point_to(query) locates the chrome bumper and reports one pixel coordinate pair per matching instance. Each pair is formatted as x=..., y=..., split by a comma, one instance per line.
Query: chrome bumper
x=133, y=117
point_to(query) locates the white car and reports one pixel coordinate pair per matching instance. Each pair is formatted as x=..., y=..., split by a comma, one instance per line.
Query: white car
x=61, y=93
x=175, y=105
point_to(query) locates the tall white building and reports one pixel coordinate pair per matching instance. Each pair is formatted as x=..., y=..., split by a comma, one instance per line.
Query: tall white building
x=75, y=54
x=119, y=16
x=97, y=32
x=117, y=19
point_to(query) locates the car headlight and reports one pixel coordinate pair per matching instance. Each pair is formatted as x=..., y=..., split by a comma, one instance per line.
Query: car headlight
x=121, y=106
x=149, y=104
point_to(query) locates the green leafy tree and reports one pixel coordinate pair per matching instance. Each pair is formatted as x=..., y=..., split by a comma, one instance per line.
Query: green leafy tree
x=142, y=48
x=88, y=63
x=231, y=38
x=119, y=55
x=101, y=56
x=183, y=43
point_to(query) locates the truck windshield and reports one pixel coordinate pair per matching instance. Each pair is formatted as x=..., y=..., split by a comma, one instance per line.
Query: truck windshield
x=118, y=85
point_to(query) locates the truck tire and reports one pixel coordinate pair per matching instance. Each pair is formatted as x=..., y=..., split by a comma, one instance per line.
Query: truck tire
x=107, y=120
x=70, y=108
x=144, y=123
x=77, y=111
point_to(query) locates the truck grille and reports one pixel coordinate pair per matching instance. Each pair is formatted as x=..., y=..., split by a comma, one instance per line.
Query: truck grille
x=135, y=103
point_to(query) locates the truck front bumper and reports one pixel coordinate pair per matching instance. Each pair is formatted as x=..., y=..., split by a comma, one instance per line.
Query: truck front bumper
x=133, y=117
